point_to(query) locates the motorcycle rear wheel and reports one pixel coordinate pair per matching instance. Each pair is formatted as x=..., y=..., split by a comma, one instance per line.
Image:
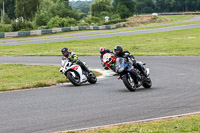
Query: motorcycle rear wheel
x=130, y=85
x=74, y=80
x=147, y=83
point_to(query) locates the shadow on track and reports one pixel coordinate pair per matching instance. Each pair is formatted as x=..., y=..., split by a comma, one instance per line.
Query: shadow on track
x=137, y=90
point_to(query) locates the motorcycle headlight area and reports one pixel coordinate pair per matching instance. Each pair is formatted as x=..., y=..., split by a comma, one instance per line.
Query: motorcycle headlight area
x=120, y=69
x=67, y=65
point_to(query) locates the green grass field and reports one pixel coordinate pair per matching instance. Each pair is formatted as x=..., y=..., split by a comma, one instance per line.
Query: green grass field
x=188, y=124
x=153, y=27
x=18, y=76
x=176, y=18
x=172, y=43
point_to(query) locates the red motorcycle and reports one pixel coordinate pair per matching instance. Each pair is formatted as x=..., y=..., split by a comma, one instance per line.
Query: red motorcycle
x=109, y=61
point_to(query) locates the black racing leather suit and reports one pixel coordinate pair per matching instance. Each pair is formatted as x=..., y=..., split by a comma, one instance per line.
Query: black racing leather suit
x=131, y=59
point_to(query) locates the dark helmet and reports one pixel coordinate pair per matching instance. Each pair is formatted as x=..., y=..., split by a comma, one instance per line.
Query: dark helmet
x=102, y=50
x=65, y=52
x=118, y=50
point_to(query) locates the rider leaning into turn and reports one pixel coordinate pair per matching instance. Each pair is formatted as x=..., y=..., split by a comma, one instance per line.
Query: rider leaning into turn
x=103, y=51
x=126, y=54
x=74, y=59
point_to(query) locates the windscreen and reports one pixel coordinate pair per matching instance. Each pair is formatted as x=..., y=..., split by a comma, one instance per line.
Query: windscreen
x=119, y=61
x=64, y=62
x=106, y=57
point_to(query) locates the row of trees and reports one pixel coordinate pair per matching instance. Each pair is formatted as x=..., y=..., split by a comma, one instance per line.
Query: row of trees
x=149, y=6
x=59, y=13
x=28, y=8
x=139, y=6
x=123, y=8
x=34, y=14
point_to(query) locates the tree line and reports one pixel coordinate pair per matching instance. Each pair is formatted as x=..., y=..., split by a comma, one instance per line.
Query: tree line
x=37, y=14
x=28, y=8
x=149, y=6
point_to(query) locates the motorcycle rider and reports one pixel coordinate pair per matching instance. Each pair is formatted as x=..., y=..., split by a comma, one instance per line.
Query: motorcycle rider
x=74, y=59
x=103, y=51
x=126, y=54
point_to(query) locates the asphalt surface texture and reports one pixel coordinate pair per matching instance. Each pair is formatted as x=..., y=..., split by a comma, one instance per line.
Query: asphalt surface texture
x=175, y=90
x=104, y=35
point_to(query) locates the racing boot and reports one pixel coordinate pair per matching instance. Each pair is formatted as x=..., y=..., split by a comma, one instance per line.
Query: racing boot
x=90, y=74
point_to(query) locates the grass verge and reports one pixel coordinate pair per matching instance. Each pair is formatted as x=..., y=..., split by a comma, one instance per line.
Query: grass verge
x=171, y=43
x=187, y=124
x=154, y=27
x=19, y=76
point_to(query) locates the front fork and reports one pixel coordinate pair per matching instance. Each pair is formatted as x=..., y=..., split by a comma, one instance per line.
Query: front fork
x=131, y=74
x=124, y=74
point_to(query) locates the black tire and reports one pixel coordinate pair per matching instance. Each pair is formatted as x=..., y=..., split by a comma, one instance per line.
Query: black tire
x=147, y=83
x=92, y=79
x=128, y=85
x=74, y=80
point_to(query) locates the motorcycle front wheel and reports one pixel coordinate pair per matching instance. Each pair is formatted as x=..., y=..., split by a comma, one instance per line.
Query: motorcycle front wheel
x=129, y=83
x=74, y=78
x=92, y=79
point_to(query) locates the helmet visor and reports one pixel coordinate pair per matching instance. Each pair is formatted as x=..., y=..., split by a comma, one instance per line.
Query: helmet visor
x=117, y=51
x=65, y=53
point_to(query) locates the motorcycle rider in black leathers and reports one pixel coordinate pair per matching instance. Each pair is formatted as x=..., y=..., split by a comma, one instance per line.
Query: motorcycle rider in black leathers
x=74, y=59
x=126, y=54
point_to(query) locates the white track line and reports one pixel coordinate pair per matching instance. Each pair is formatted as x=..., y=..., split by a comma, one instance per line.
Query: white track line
x=131, y=122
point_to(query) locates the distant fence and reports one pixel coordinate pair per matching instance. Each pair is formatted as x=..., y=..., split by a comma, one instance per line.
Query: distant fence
x=57, y=30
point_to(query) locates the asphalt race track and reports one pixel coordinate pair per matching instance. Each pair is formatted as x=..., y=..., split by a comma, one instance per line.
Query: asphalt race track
x=176, y=90
x=101, y=35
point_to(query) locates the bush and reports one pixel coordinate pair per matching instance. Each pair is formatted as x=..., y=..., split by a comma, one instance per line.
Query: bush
x=5, y=28
x=83, y=24
x=42, y=27
x=155, y=17
x=55, y=22
x=92, y=19
x=115, y=17
x=71, y=22
x=41, y=19
x=6, y=19
x=104, y=13
x=50, y=10
x=22, y=25
x=61, y=22
x=82, y=15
